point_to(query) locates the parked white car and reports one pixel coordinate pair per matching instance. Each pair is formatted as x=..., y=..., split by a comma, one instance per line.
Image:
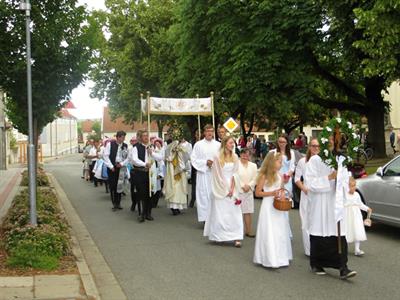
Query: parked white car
x=381, y=192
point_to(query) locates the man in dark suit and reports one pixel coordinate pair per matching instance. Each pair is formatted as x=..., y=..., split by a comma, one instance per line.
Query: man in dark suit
x=141, y=158
x=115, y=158
x=134, y=197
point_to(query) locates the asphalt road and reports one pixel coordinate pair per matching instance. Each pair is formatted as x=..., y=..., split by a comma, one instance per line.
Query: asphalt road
x=170, y=259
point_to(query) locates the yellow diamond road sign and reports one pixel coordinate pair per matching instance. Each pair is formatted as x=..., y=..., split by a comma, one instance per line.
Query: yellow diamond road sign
x=231, y=125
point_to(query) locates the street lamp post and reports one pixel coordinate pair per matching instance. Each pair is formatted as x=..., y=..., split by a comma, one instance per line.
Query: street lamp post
x=25, y=5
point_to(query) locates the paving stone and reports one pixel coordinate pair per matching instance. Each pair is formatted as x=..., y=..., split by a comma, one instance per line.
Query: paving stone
x=57, y=286
x=17, y=293
x=26, y=281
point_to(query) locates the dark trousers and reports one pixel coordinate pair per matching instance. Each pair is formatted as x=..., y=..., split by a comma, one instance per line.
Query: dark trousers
x=141, y=181
x=134, y=196
x=193, y=183
x=324, y=252
x=112, y=184
x=91, y=167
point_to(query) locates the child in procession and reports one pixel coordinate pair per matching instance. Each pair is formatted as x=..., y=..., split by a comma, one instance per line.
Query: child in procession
x=353, y=219
x=273, y=247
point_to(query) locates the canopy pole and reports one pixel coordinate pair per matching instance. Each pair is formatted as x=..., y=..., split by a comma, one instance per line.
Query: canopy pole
x=148, y=134
x=198, y=121
x=141, y=111
x=212, y=108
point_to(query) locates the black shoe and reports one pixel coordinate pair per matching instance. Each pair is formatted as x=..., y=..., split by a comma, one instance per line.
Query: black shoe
x=150, y=218
x=141, y=219
x=178, y=211
x=318, y=270
x=346, y=273
x=174, y=212
x=119, y=207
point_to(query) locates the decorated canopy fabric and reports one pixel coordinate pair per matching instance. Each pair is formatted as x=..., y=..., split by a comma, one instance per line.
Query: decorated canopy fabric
x=178, y=106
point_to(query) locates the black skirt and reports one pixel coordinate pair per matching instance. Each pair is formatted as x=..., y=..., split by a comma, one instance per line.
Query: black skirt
x=324, y=252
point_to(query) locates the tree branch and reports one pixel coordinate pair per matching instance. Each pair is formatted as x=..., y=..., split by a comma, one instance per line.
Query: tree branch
x=336, y=81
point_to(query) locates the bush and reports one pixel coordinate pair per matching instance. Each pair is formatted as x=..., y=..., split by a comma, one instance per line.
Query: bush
x=41, y=178
x=38, y=247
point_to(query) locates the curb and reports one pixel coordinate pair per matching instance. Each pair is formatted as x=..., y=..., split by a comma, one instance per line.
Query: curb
x=91, y=263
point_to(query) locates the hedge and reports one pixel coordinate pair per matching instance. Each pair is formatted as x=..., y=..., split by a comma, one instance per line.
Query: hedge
x=41, y=246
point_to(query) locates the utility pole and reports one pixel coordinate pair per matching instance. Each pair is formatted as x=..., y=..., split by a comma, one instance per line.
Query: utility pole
x=25, y=5
x=3, y=140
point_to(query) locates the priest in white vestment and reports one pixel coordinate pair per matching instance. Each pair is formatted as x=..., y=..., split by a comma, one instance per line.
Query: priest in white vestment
x=201, y=158
x=319, y=178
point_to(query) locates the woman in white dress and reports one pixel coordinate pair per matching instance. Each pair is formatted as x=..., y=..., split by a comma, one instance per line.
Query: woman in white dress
x=353, y=220
x=313, y=149
x=224, y=221
x=273, y=247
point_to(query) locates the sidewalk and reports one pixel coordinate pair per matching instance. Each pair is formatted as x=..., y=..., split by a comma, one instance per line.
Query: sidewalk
x=8, y=181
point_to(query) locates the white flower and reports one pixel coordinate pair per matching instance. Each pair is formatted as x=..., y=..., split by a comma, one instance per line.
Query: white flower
x=349, y=124
x=326, y=152
x=349, y=159
x=355, y=149
x=339, y=120
x=328, y=129
x=355, y=136
x=328, y=161
x=324, y=140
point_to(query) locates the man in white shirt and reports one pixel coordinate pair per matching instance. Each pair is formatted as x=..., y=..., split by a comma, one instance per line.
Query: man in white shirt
x=202, y=157
x=115, y=158
x=142, y=157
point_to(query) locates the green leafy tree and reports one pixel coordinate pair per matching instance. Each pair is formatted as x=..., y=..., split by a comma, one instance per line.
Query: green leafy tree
x=61, y=50
x=137, y=57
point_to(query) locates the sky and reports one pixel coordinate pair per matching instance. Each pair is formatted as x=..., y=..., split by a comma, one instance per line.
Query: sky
x=86, y=107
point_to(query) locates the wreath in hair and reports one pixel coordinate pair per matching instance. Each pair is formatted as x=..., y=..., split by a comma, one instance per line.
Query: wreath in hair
x=346, y=142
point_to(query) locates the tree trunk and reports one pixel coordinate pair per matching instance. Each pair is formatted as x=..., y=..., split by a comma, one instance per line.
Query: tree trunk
x=251, y=124
x=376, y=116
x=160, y=126
x=376, y=131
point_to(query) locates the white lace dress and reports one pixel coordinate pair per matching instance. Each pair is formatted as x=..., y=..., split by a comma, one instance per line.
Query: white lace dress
x=273, y=247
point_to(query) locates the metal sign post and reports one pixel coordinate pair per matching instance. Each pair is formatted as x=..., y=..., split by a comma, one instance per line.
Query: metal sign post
x=25, y=5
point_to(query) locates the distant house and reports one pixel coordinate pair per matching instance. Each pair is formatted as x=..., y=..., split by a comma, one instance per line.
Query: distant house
x=60, y=136
x=87, y=128
x=110, y=127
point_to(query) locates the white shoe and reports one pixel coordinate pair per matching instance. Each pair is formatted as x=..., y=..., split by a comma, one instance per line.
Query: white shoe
x=359, y=253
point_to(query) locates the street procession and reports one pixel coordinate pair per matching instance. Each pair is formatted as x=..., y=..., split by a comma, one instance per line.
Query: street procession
x=182, y=149
x=229, y=176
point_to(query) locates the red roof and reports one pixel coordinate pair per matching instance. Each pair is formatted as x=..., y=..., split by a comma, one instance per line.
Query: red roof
x=118, y=124
x=69, y=105
x=65, y=114
x=87, y=125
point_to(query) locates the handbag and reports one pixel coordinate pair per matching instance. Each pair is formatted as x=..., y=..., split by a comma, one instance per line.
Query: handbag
x=367, y=221
x=104, y=171
x=282, y=201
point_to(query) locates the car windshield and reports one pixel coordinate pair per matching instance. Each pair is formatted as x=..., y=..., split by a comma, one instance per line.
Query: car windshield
x=393, y=169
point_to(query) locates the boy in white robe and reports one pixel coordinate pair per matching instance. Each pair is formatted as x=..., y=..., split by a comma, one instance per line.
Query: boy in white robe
x=202, y=160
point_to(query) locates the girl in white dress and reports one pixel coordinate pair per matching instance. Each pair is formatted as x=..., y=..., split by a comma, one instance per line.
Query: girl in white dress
x=273, y=247
x=353, y=220
x=224, y=221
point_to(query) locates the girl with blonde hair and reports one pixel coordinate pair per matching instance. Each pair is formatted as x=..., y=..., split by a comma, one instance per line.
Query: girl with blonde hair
x=224, y=221
x=273, y=247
